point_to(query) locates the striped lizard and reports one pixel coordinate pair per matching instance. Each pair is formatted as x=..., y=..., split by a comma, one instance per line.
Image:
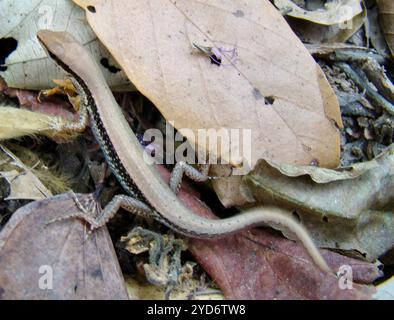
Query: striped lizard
x=124, y=155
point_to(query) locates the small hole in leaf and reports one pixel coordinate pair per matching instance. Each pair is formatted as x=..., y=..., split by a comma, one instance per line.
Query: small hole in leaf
x=270, y=100
x=105, y=63
x=325, y=219
x=7, y=46
x=92, y=9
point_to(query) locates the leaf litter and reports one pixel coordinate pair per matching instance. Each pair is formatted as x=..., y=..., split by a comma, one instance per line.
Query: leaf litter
x=366, y=220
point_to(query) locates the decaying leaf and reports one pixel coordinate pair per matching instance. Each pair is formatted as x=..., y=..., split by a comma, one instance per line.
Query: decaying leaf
x=386, y=17
x=322, y=175
x=227, y=188
x=334, y=12
x=262, y=265
x=266, y=82
x=355, y=214
x=32, y=101
x=24, y=67
x=232, y=192
x=23, y=183
x=56, y=260
x=336, y=22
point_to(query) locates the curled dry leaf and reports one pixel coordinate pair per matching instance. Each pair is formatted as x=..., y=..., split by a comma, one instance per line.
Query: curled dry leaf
x=33, y=251
x=24, y=184
x=337, y=22
x=267, y=82
x=386, y=17
x=352, y=214
x=322, y=175
x=19, y=23
x=334, y=12
x=232, y=192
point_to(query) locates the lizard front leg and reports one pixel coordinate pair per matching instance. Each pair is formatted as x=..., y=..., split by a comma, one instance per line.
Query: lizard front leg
x=183, y=168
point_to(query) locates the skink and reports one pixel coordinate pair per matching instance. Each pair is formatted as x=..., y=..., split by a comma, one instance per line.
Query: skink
x=124, y=155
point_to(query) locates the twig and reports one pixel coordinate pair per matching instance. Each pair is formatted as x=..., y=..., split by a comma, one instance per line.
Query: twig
x=364, y=85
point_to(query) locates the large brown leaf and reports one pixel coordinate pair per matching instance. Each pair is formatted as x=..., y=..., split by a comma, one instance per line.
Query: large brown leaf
x=263, y=265
x=82, y=268
x=274, y=88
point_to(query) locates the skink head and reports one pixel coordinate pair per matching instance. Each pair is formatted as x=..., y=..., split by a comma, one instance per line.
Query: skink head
x=55, y=42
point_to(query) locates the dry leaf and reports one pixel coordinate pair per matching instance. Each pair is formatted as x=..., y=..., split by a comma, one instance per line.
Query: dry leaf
x=28, y=66
x=51, y=106
x=232, y=192
x=274, y=87
x=334, y=12
x=386, y=17
x=227, y=188
x=337, y=22
x=263, y=265
x=322, y=175
x=82, y=268
x=23, y=183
